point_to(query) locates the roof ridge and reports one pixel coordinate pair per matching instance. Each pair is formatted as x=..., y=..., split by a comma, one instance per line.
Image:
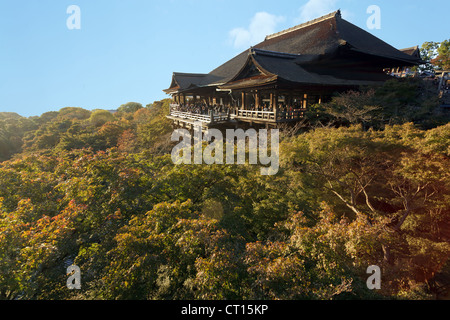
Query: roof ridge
x=306, y=24
x=413, y=47
x=190, y=74
x=273, y=53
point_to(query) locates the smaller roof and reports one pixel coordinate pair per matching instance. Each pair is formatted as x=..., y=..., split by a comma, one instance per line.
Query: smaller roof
x=185, y=80
x=413, y=52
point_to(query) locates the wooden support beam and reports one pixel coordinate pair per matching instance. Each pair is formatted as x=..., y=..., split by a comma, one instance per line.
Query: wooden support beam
x=275, y=101
x=257, y=99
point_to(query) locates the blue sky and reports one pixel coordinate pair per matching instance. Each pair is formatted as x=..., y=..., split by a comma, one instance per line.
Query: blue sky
x=127, y=50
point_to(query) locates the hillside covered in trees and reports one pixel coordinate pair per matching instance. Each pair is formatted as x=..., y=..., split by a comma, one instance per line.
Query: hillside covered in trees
x=367, y=183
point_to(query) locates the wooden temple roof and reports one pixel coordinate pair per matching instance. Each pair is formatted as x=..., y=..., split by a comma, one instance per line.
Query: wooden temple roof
x=325, y=51
x=300, y=70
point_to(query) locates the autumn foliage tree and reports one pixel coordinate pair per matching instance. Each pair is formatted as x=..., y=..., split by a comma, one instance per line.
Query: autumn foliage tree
x=437, y=55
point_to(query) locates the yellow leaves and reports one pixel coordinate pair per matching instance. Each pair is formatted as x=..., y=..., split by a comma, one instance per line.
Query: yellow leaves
x=117, y=215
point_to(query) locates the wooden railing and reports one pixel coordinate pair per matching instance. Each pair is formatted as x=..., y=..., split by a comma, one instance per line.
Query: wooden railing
x=211, y=118
x=270, y=116
x=291, y=115
x=191, y=116
x=260, y=115
x=278, y=116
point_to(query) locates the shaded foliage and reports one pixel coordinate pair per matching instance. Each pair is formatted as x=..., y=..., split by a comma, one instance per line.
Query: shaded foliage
x=397, y=101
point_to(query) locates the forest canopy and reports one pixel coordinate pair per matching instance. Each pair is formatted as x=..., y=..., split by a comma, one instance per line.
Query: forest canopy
x=98, y=189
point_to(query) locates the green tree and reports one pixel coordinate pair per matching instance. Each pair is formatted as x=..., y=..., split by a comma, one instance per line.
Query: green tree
x=73, y=113
x=153, y=129
x=437, y=55
x=100, y=117
x=442, y=59
x=428, y=52
x=130, y=107
x=354, y=107
x=389, y=183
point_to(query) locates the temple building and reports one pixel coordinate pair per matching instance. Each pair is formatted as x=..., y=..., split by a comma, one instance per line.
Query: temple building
x=275, y=81
x=406, y=71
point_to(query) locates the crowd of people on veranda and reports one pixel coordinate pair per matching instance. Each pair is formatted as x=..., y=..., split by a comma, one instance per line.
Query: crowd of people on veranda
x=201, y=108
x=204, y=109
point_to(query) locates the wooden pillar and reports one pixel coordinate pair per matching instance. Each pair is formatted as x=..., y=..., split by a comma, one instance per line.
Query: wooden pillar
x=274, y=104
x=257, y=99
x=305, y=101
x=243, y=104
x=275, y=101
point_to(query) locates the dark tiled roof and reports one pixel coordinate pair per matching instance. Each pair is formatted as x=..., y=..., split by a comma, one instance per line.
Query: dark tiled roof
x=324, y=38
x=185, y=80
x=362, y=41
x=301, y=70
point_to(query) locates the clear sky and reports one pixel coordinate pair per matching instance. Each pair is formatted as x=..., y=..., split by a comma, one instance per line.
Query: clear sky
x=127, y=50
